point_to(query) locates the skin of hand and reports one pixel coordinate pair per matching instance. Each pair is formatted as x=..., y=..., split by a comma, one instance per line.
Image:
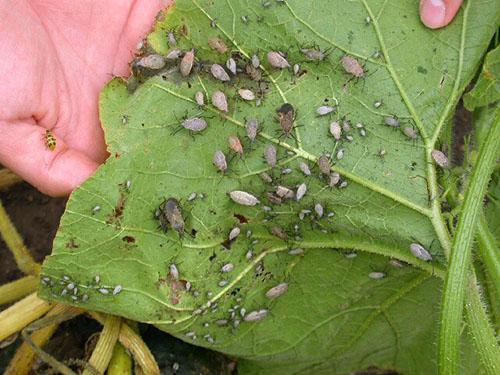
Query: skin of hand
x=56, y=57
x=438, y=13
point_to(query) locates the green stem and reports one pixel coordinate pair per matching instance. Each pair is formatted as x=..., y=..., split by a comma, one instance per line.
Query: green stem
x=458, y=270
x=488, y=251
x=483, y=338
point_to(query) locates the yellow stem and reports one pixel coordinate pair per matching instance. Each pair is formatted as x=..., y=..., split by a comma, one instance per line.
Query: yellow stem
x=8, y=178
x=22, y=313
x=22, y=362
x=16, y=245
x=17, y=289
x=121, y=363
x=135, y=345
x=99, y=360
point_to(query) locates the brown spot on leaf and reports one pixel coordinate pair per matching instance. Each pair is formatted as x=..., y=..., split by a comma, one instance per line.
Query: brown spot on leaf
x=128, y=239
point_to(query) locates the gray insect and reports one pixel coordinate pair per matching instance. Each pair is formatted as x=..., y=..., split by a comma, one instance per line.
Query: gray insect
x=153, y=62
x=117, y=289
x=235, y=232
x=286, y=171
x=252, y=127
x=279, y=232
x=362, y=132
x=219, y=100
x=346, y=126
x=277, y=291
x=228, y=267
x=352, y=66
x=318, y=208
x=235, y=144
x=221, y=322
x=301, y=191
x=246, y=94
x=194, y=124
x=304, y=168
x=243, y=198
x=440, y=159
x=396, y=263
x=171, y=38
x=219, y=73
x=343, y=184
x=284, y=192
x=266, y=177
x=286, y=117
x=173, y=272
x=254, y=73
x=334, y=179
x=350, y=138
x=335, y=130
x=351, y=255
x=223, y=283
x=410, y=133
x=171, y=213
x=255, y=61
x=174, y=54
x=296, y=251
x=324, y=164
x=220, y=161
x=376, y=275
x=102, y=290
x=187, y=63
x=200, y=98
x=378, y=103
x=313, y=54
x=270, y=155
x=217, y=44
x=324, y=110
x=256, y=315
x=277, y=60
x=340, y=154
x=249, y=254
x=420, y=252
x=391, y=121
x=231, y=65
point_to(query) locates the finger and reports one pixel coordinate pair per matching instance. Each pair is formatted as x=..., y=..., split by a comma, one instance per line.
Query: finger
x=139, y=22
x=438, y=13
x=23, y=149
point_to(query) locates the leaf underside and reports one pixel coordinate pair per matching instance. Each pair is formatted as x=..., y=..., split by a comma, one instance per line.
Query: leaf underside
x=333, y=318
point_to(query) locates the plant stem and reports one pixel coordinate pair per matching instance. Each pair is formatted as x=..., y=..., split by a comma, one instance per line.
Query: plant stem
x=21, y=363
x=17, y=289
x=488, y=251
x=16, y=245
x=19, y=315
x=135, y=345
x=8, y=178
x=121, y=363
x=483, y=338
x=458, y=270
x=103, y=351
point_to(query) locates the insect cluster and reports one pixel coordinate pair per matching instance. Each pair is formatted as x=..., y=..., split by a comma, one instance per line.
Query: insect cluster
x=243, y=81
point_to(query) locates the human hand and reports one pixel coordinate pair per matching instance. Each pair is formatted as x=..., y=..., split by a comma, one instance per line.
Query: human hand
x=56, y=55
x=438, y=13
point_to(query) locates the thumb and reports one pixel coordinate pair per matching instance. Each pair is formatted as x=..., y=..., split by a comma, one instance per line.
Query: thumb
x=438, y=13
x=23, y=149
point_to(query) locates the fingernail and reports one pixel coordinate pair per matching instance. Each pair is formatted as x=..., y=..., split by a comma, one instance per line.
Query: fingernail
x=432, y=13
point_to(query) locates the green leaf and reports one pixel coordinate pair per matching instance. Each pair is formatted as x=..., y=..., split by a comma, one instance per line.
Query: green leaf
x=333, y=315
x=487, y=88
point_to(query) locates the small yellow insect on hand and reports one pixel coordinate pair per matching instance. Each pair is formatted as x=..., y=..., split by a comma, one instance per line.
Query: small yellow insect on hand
x=50, y=140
